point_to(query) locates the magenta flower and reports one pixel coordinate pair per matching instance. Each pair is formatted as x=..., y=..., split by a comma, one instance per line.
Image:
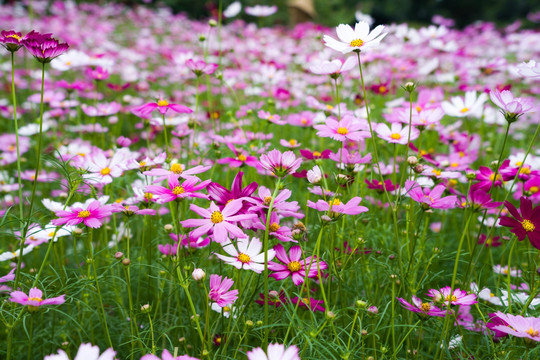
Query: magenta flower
x=162, y=106
x=221, y=223
x=310, y=303
x=166, y=355
x=34, y=299
x=335, y=207
x=485, y=177
x=11, y=40
x=282, y=233
x=92, y=216
x=524, y=327
x=526, y=224
x=457, y=297
x=44, y=47
x=423, y=309
x=479, y=200
x=293, y=265
x=200, y=67
x=430, y=198
x=274, y=352
x=177, y=191
x=511, y=107
x=344, y=130
x=222, y=195
x=280, y=164
x=219, y=290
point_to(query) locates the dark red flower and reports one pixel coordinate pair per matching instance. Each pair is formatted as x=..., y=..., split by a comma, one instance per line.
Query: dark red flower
x=526, y=224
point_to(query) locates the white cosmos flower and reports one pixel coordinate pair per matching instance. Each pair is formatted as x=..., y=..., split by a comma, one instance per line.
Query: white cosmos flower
x=248, y=256
x=471, y=105
x=232, y=10
x=357, y=39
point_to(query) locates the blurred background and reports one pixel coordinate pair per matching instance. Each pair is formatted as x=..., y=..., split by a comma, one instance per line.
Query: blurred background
x=333, y=12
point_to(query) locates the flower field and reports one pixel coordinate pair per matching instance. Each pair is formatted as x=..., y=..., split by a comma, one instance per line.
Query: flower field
x=181, y=189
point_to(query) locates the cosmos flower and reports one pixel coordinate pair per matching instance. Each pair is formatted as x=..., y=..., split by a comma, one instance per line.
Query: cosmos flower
x=280, y=164
x=11, y=40
x=92, y=216
x=430, y=198
x=471, y=105
x=162, y=106
x=397, y=133
x=457, y=297
x=261, y=10
x=219, y=290
x=176, y=191
x=345, y=130
x=516, y=325
x=333, y=68
x=166, y=355
x=529, y=69
x=221, y=222
x=424, y=309
x=44, y=48
x=85, y=352
x=510, y=106
x=200, y=67
x=293, y=265
x=357, y=39
x=310, y=303
x=246, y=255
x=34, y=299
x=274, y=352
x=335, y=207
x=526, y=224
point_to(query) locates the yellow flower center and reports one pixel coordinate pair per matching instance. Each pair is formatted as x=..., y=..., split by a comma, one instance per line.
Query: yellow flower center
x=105, y=171
x=274, y=227
x=316, y=154
x=294, y=266
x=216, y=217
x=148, y=196
x=176, y=168
x=492, y=176
x=162, y=103
x=454, y=164
x=436, y=172
x=329, y=107
x=357, y=43
x=51, y=234
x=242, y=157
x=452, y=182
x=525, y=170
x=418, y=108
x=15, y=36
x=303, y=121
x=464, y=110
x=83, y=214
x=534, y=189
x=425, y=307
x=292, y=142
x=451, y=298
x=395, y=136
x=178, y=190
x=532, y=332
x=244, y=258
x=528, y=225
x=334, y=202
x=142, y=163
x=267, y=200
x=382, y=88
x=35, y=299
x=342, y=130
x=491, y=295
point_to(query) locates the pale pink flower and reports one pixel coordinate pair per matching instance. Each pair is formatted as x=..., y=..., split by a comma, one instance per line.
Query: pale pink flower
x=511, y=107
x=345, y=130
x=166, y=355
x=396, y=134
x=280, y=164
x=85, y=352
x=219, y=290
x=516, y=325
x=529, y=69
x=333, y=68
x=35, y=298
x=274, y=352
x=261, y=10
x=162, y=106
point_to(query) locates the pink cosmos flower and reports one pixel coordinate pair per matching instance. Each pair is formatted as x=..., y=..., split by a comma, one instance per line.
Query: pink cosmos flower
x=511, y=107
x=130, y=210
x=421, y=308
x=282, y=233
x=310, y=303
x=10, y=276
x=397, y=134
x=102, y=170
x=34, y=299
x=11, y=40
x=526, y=224
x=281, y=205
x=431, y=198
x=219, y=290
x=344, y=130
x=162, y=106
x=248, y=256
x=529, y=69
x=92, y=216
x=200, y=67
x=333, y=68
x=280, y=164
x=219, y=222
x=485, y=176
x=85, y=352
x=177, y=191
x=274, y=352
x=273, y=118
x=446, y=296
x=524, y=327
x=43, y=47
x=357, y=39
x=335, y=207
x=293, y=265
x=166, y=355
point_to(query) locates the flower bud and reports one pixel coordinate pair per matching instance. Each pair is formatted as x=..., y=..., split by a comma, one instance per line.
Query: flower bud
x=373, y=310
x=471, y=175
x=409, y=87
x=259, y=323
x=419, y=168
x=126, y=261
x=361, y=304
x=330, y=315
x=198, y=274
x=412, y=160
x=146, y=308
x=77, y=231
x=118, y=255
x=212, y=23
x=168, y=228
x=249, y=323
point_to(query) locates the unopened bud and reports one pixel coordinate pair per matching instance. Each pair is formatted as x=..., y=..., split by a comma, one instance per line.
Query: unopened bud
x=409, y=87
x=471, y=175
x=259, y=323
x=126, y=261
x=412, y=160
x=212, y=23
x=118, y=255
x=330, y=315
x=168, y=228
x=419, y=168
x=146, y=308
x=249, y=323
x=198, y=274
x=373, y=310
x=361, y=304
x=77, y=231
